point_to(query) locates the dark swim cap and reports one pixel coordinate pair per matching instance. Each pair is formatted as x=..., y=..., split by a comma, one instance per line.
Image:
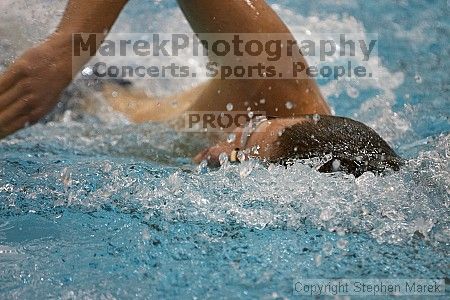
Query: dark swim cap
x=354, y=147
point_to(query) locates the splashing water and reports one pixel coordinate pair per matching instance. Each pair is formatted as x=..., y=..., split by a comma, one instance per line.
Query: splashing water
x=90, y=193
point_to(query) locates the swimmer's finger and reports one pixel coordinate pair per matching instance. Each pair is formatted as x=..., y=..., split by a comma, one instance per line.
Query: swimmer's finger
x=8, y=79
x=208, y=155
x=200, y=157
x=212, y=155
x=14, y=112
x=9, y=96
x=19, y=123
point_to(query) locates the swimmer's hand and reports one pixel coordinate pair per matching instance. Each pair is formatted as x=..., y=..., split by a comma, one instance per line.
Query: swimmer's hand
x=261, y=144
x=212, y=154
x=31, y=86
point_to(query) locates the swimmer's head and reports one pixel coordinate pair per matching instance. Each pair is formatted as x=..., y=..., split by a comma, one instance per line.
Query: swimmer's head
x=354, y=147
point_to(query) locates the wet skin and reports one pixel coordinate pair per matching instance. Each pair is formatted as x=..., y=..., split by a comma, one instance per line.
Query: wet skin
x=31, y=87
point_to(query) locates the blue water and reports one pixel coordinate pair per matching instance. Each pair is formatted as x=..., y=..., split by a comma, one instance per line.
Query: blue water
x=93, y=207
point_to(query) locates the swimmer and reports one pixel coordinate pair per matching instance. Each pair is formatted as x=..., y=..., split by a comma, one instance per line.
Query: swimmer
x=31, y=87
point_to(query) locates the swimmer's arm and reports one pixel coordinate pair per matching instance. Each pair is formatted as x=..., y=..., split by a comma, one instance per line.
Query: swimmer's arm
x=87, y=16
x=234, y=16
x=31, y=87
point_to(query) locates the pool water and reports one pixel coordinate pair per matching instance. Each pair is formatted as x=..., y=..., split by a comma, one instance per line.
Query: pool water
x=93, y=207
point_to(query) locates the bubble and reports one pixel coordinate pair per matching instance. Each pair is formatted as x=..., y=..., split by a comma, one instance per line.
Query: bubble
x=262, y=101
x=251, y=114
x=230, y=106
x=289, y=105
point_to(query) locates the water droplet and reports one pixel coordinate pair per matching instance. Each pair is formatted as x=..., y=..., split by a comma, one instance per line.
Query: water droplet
x=145, y=235
x=342, y=244
x=318, y=260
x=336, y=165
x=327, y=249
x=251, y=114
x=352, y=92
x=280, y=133
x=262, y=101
x=326, y=215
x=418, y=78
x=231, y=138
x=66, y=177
x=115, y=94
x=87, y=71
x=289, y=105
x=241, y=156
x=107, y=167
x=340, y=231
x=316, y=118
x=223, y=159
x=245, y=169
x=255, y=149
x=230, y=106
x=202, y=167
